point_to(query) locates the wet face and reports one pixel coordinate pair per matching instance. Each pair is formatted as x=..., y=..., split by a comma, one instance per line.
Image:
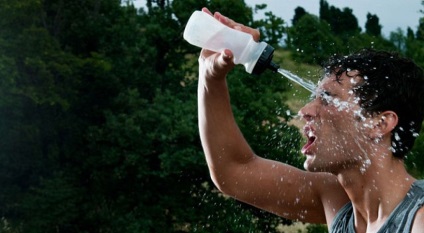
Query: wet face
x=336, y=129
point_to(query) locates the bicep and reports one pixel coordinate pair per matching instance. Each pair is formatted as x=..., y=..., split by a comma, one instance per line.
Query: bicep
x=285, y=190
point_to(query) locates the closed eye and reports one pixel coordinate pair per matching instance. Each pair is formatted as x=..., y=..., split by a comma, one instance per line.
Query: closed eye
x=326, y=97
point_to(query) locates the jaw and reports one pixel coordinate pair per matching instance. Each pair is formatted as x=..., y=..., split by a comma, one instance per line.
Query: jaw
x=337, y=163
x=308, y=164
x=314, y=164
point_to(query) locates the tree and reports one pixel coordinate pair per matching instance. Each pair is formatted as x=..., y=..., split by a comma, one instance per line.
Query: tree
x=299, y=12
x=413, y=160
x=312, y=40
x=410, y=33
x=372, y=26
x=420, y=30
x=415, y=42
x=398, y=39
x=272, y=28
x=342, y=23
x=100, y=125
x=324, y=10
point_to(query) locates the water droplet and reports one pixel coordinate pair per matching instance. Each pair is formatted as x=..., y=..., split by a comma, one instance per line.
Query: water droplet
x=397, y=137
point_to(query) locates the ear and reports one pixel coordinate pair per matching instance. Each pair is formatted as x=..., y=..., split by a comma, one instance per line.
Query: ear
x=385, y=122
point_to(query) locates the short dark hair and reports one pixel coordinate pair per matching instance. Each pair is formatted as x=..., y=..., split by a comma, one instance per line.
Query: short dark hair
x=389, y=82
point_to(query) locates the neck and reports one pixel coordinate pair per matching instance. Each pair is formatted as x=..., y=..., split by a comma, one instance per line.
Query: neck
x=371, y=190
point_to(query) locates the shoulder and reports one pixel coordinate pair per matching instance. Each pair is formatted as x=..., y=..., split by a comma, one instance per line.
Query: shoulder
x=341, y=222
x=418, y=226
x=333, y=197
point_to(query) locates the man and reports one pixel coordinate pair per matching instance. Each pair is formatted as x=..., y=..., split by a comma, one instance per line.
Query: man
x=367, y=112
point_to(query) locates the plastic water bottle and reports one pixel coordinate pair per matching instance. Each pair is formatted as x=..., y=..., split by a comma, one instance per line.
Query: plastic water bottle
x=203, y=30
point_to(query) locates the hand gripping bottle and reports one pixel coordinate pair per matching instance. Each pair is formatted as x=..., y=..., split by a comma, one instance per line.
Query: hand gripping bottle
x=203, y=30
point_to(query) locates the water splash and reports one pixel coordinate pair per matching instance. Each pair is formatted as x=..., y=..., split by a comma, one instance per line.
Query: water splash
x=308, y=85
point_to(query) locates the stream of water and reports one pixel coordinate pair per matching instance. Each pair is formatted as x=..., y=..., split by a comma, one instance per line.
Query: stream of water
x=308, y=85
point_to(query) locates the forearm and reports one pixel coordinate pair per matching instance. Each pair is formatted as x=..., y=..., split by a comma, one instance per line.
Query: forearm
x=222, y=141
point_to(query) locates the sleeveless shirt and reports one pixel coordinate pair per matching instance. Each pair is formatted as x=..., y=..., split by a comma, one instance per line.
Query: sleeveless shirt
x=399, y=221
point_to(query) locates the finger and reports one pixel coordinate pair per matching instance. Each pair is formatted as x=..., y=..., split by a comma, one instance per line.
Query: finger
x=224, y=62
x=227, y=57
x=254, y=32
x=223, y=19
x=217, y=64
x=224, y=58
x=237, y=26
x=206, y=10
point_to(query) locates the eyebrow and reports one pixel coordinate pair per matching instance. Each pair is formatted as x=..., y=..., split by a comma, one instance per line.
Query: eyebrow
x=319, y=93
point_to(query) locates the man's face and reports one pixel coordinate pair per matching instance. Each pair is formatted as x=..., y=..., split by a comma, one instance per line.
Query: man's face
x=335, y=127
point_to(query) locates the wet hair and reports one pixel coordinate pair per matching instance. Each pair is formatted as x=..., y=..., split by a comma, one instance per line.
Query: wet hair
x=389, y=82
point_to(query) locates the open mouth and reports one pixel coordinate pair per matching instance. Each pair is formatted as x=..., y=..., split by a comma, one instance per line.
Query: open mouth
x=311, y=139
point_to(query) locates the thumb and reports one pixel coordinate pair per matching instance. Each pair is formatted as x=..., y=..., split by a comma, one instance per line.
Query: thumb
x=215, y=65
x=225, y=60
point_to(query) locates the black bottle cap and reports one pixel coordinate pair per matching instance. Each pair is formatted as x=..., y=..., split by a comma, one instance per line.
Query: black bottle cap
x=265, y=61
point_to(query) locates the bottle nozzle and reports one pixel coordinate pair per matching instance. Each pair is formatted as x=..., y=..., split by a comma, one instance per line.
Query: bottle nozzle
x=273, y=67
x=265, y=61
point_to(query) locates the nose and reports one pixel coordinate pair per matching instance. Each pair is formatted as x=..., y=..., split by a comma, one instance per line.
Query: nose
x=309, y=111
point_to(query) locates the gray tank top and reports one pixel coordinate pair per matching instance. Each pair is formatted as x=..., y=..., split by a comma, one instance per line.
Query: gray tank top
x=399, y=221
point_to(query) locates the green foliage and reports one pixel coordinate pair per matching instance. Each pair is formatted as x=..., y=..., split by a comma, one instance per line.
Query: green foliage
x=272, y=28
x=315, y=228
x=420, y=30
x=398, y=39
x=238, y=10
x=312, y=41
x=342, y=22
x=372, y=26
x=184, y=8
x=101, y=131
x=367, y=41
x=298, y=13
x=414, y=50
x=53, y=201
x=414, y=160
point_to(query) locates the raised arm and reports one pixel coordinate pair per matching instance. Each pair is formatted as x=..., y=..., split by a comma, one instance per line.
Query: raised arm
x=234, y=167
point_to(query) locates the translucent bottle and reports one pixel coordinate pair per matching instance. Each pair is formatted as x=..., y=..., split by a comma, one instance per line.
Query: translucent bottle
x=203, y=30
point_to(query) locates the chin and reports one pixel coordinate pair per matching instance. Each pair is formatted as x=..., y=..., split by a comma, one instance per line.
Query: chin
x=309, y=164
x=312, y=165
